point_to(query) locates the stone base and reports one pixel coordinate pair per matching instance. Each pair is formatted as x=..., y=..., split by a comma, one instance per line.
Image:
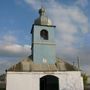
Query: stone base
x=68, y=80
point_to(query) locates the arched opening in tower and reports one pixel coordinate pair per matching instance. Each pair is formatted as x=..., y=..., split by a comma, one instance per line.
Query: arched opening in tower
x=44, y=34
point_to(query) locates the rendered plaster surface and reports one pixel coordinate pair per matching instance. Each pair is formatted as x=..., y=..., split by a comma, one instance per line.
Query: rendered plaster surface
x=31, y=80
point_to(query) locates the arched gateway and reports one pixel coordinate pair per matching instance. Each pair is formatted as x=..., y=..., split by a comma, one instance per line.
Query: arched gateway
x=49, y=82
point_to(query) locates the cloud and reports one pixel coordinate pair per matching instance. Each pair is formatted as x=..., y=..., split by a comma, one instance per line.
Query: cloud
x=84, y=54
x=82, y=3
x=14, y=50
x=3, y=65
x=8, y=39
x=7, y=62
x=10, y=48
x=35, y=3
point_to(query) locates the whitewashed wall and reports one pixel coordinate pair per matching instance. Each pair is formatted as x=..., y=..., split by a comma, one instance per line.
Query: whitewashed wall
x=30, y=80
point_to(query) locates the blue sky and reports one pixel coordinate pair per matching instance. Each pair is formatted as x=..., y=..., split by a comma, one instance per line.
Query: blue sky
x=71, y=17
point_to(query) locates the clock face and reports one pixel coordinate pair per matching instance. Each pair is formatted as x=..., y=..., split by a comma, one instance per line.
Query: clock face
x=44, y=34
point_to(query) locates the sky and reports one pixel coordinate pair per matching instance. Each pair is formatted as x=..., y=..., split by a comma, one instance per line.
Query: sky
x=72, y=34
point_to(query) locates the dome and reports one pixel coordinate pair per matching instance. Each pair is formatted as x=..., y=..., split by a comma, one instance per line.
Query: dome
x=42, y=19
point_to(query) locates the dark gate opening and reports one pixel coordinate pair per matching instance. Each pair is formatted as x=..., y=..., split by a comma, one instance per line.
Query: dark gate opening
x=49, y=82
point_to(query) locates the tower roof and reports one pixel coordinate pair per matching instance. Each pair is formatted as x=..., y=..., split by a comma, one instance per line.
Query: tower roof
x=42, y=19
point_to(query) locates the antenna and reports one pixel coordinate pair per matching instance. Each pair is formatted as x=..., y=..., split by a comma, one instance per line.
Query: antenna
x=78, y=62
x=73, y=63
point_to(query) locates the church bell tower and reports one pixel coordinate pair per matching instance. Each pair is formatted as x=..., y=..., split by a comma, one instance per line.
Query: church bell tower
x=43, y=40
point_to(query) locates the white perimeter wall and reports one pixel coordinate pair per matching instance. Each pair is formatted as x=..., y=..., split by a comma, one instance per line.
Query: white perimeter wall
x=31, y=80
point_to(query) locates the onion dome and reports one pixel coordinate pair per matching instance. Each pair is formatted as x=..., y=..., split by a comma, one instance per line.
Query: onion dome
x=42, y=19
